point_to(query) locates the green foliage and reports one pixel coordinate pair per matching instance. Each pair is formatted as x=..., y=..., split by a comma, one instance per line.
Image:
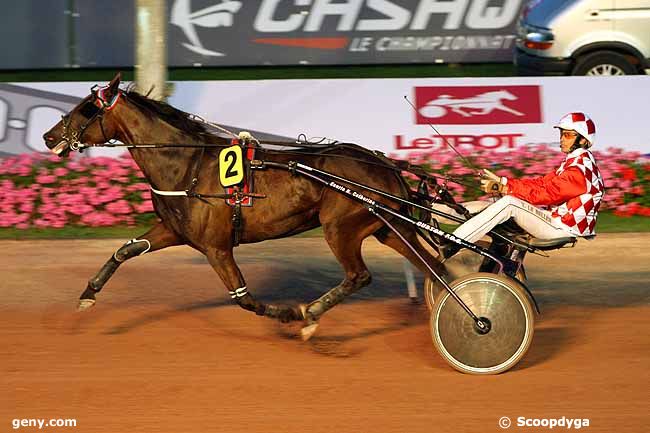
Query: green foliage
x=75, y=232
x=274, y=72
x=607, y=223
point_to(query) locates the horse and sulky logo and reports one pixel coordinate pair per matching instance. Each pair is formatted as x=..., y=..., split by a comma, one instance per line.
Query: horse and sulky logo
x=477, y=105
x=472, y=105
x=219, y=15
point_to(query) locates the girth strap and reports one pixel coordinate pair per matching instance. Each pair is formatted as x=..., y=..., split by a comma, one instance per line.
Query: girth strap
x=188, y=193
x=237, y=217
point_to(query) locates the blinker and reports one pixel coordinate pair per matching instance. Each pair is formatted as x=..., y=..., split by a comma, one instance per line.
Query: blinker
x=89, y=110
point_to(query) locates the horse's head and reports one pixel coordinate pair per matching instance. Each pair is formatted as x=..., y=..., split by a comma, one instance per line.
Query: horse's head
x=504, y=94
x=88, y=122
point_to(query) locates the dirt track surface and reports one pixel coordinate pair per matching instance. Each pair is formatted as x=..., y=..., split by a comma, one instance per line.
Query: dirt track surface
x=164, y=350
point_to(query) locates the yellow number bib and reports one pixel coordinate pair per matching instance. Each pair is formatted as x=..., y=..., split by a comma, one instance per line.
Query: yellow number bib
x=231, y=166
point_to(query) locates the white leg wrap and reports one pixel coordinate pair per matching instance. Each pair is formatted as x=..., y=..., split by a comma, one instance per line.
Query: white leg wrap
x=133, y=241
x=142, y=240
x=238, y=293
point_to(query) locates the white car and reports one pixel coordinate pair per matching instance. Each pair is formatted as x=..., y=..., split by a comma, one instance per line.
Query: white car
x=583, y=37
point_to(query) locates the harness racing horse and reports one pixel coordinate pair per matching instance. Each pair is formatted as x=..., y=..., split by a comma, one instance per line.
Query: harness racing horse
x=478, y=105
x=293, y=204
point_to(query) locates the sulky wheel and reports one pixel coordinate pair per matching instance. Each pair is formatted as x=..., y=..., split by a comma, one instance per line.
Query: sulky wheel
x=462, y=263
x=500, y=302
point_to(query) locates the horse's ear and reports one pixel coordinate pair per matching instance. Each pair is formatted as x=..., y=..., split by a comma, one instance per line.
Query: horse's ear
x=109, y=92
x=114, y=85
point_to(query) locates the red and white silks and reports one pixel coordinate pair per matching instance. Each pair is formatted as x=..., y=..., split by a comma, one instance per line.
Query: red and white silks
x=572, y=195
x=580, y=212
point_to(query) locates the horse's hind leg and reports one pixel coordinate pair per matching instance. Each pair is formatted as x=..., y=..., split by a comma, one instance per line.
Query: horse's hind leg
x=223, y=262
x=390, y=238
x=158, y=237
x=346, y=246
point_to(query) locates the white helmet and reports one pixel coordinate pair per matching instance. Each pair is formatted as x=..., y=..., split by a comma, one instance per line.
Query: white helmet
x=580, y=123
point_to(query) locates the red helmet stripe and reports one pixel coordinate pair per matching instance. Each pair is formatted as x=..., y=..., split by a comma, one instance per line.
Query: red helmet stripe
x=591, y=128
x=578, y=117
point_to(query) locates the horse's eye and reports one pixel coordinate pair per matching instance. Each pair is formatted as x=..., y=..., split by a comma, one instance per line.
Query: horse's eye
x=88, y=110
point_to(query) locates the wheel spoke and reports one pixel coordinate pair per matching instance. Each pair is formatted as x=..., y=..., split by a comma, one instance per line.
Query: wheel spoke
x=605, y=70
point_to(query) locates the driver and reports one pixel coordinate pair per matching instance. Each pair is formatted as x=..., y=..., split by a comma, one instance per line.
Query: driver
x=564, y=203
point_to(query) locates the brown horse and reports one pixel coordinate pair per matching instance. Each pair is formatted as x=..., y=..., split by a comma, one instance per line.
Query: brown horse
x=293, y=203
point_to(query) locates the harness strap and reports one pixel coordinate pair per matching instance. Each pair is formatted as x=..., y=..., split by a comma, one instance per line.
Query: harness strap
x=191, y=194
x=197, y=168
x=237, y=217
x=169, y=193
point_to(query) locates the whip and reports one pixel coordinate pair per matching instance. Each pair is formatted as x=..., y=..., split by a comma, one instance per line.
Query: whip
x=467, y=161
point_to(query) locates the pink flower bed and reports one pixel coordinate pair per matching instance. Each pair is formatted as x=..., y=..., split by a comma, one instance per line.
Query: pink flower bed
x=626, y=174
x=38, y=191
x=44, y=191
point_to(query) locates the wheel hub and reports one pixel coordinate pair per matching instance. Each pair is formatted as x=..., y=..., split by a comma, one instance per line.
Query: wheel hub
x=483, y=325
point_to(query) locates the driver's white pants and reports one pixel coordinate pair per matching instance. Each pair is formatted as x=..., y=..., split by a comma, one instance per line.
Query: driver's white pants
x=534, y=220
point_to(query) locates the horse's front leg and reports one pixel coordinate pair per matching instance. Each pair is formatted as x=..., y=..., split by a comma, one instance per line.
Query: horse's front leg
x=223, y=262
x=157, y=238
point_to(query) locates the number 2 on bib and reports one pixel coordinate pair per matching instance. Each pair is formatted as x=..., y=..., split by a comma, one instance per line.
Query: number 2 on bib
x=231, y=166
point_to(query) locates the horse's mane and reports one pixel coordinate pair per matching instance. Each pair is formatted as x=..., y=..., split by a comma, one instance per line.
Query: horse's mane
x=175, y=117
x=182, y=120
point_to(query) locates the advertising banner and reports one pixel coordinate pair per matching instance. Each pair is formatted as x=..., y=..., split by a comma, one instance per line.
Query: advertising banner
x=36, y=34
x=499, y=113
x=26, y=113
x=470, y=113
x=93, y=33
x=317, y=32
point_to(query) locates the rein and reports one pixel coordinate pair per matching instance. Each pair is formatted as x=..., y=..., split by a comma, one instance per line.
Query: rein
x=101, y=104
x=95, y=109
x=398, y=166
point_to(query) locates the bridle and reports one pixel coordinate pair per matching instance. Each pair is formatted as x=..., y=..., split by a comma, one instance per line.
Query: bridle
x=92, y=110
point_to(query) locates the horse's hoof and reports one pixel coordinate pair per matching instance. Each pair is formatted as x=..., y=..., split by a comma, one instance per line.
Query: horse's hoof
x=85, y=304
x=307, y=331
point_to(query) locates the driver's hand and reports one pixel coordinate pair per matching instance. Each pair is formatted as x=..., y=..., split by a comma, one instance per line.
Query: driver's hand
x=487, y=174
x=492, y=187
